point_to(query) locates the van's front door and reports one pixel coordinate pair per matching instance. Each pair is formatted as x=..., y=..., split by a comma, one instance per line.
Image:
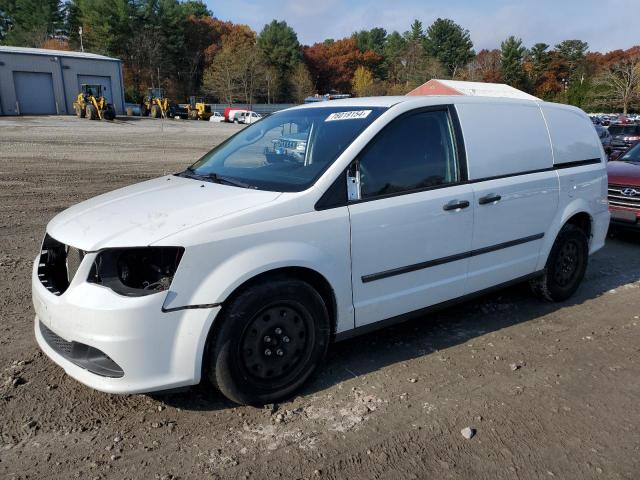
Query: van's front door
x=411, y=228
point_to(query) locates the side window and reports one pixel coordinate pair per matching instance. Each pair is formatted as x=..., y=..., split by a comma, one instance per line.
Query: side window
x=413, y=152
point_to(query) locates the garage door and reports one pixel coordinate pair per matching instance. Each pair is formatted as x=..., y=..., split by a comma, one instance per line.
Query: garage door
x=34, y=91
x=97, y=80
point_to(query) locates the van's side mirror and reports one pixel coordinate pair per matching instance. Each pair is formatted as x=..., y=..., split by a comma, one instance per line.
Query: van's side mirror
x=353, y=181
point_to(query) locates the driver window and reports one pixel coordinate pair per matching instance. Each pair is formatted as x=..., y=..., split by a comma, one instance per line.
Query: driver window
x=412, y=153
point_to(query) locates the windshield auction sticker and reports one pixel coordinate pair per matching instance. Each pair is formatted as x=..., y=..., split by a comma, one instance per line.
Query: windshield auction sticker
x=352, y=115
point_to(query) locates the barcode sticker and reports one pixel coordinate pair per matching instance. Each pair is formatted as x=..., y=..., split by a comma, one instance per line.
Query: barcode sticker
x=352, y=115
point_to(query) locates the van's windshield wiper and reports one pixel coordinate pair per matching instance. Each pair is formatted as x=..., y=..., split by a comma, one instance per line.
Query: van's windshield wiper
x=214, y=177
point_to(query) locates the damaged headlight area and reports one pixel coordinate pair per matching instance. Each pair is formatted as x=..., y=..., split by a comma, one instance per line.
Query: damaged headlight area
x=135, y=272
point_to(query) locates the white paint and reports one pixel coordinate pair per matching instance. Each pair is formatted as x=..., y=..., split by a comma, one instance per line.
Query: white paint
x=231, y=234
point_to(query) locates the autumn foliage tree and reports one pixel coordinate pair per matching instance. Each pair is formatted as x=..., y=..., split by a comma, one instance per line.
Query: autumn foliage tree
x=333, y=65
x=362, y=84
x=619, y=85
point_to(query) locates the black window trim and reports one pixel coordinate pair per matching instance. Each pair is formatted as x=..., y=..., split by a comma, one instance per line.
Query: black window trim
x=458, y=146
x=459, y=152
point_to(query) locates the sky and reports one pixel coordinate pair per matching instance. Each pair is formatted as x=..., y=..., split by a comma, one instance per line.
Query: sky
x=605, y=24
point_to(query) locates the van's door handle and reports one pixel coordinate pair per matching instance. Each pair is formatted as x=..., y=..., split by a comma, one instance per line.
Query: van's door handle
x=455, y=205
x=492, y=197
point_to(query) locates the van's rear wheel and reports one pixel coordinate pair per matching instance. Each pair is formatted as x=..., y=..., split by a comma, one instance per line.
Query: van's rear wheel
x=271, y=339
x=565, y=266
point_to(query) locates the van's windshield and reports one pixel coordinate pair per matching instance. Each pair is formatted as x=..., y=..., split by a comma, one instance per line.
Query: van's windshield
x=286, y=151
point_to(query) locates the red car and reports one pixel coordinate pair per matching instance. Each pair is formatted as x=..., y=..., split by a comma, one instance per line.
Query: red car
x=624, y=189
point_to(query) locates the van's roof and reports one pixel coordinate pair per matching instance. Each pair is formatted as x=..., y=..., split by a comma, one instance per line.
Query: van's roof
x=426, y=100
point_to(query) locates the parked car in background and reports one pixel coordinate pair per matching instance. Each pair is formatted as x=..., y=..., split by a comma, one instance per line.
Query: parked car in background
x=316, y=224
x=623, y=120
x=216, y=117
x=624, y=189
x=232, y=114
x=623, y=136
x=249, y=117
x=605, y=137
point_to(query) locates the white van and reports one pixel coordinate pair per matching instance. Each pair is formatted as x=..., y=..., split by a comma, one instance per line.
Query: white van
x=249, y=117
x=313, y=225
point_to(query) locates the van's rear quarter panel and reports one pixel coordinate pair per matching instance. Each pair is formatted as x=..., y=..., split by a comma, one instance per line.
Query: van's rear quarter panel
x=504, y=138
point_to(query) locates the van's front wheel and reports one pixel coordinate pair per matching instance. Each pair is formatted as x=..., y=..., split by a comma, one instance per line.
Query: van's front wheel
x=565, y=266
x=271, y=339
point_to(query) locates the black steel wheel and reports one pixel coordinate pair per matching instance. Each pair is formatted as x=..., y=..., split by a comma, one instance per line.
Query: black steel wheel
x=275, y=343
x=268, y=341
x=566, y=265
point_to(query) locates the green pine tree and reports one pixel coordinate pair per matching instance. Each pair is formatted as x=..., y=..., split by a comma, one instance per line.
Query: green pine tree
x=29, y=23
x=512, y=60
x=451, y=44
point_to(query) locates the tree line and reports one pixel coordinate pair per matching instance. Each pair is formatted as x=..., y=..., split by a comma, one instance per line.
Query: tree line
x=182, y=47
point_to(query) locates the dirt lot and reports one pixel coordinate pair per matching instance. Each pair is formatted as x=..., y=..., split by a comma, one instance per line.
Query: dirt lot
x=552, y=389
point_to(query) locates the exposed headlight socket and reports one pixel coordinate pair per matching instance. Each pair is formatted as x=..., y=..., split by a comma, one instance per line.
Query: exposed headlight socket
x=136, y=272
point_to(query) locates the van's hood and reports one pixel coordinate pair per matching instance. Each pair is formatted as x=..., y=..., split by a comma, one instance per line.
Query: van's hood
x=623, y=173
x=144, y=213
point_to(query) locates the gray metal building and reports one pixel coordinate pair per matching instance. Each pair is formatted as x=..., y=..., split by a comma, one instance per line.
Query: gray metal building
x=36, y=81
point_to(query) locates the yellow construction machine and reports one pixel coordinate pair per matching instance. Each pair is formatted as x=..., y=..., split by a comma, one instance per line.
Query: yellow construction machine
x=92, y=105
x=198, y=110
x=156, y=104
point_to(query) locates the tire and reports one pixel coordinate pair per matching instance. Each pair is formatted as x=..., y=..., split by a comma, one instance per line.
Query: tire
x=109, y=113
x=566, y=265
x=129, y=111
x=193, y=115
x=155, y=111
x=143, y=111
x=91, y=113
x=79, y=111
x=270, y=340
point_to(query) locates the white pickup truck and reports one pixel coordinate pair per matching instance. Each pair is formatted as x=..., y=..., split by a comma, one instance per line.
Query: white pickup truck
x=313, y=225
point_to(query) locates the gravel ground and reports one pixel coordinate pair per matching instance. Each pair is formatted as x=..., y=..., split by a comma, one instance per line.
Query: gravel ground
x=543, y=390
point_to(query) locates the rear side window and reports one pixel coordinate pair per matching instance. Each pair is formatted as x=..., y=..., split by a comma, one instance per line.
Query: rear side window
x=413, y=152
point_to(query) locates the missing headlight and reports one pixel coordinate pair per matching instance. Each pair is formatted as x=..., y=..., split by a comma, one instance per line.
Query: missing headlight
x=136, y=272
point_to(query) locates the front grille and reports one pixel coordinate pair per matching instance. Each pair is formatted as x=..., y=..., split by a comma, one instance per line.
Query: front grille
x=58, y=265
x=624, y=196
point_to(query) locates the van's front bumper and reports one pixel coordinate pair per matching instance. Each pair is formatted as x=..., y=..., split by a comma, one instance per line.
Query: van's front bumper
x=120, y=344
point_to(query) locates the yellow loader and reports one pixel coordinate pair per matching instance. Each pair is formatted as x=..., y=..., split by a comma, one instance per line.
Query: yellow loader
x=198, y=110
x=92, y=105
x=156, y=104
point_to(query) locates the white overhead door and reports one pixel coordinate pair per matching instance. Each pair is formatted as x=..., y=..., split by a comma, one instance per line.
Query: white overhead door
x=97, y=80
x=34, y=92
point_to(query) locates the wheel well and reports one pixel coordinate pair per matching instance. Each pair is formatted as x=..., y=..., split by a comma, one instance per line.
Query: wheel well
x=313, y=278
x=582, y=220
